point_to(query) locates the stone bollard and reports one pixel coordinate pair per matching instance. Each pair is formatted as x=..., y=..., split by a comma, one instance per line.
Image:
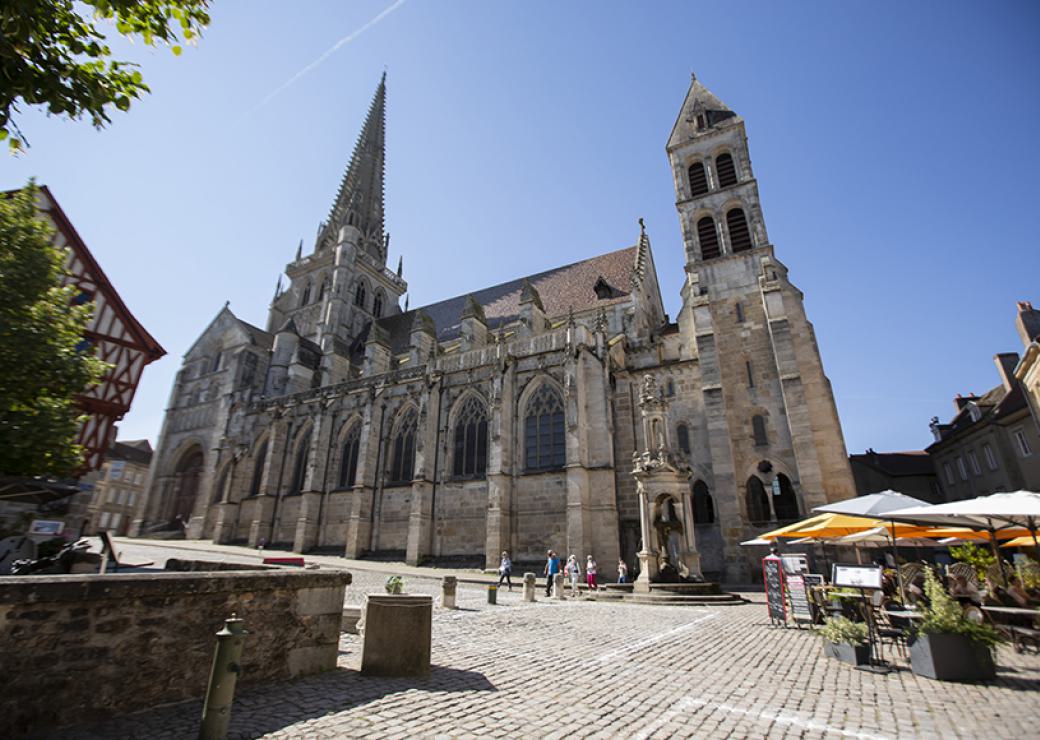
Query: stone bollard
x=448, y=586
x=492, y=594
x=216, y=712
x=558, y=586
x=529, y=579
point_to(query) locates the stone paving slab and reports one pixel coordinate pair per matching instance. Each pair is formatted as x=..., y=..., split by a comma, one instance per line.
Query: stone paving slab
x=602, y=670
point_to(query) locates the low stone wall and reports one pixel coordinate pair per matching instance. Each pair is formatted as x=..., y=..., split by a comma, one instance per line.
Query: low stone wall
x=78, y=649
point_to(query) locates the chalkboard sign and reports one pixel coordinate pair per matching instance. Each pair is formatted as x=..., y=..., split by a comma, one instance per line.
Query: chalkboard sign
x=801, y=610
x=773, y=577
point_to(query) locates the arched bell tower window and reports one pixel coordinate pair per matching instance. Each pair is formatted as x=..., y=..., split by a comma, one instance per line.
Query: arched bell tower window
x=544, y=446
x=758, y=428
x=703, y=505
x=359, y=296
x=698, y=179
x=403, y=467
x=757, y=501
x=708, y=237
x=726, y=171
x=471, y=433
x=683, y=433
x=348, y=463
x=785, y=501
x=377, y=305
x=739, y=235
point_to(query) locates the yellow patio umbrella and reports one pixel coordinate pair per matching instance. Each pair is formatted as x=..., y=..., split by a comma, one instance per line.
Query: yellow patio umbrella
x=1025, y=541
x=823, y=526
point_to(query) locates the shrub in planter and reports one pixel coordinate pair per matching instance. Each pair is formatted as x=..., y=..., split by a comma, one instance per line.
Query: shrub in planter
x=394, y=585
x=949, y=647
x=845, y=640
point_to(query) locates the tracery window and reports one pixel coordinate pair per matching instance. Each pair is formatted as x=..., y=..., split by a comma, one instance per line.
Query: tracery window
x=708, y=237
x=348, y=463
x=726, y=171
x=402, y=467
x=703, y=505
x=739, y=235
x=785, y=501
x=544, y=446
x=300, y=467
x=471, y=436
x=258, y=469
x=756, y=500
x=377, y=305
x=359, y=296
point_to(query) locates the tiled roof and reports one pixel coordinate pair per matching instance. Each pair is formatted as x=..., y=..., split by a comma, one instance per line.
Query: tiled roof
x=131, y=451
x=561, y=289
x=258, y=335
x=911, y=462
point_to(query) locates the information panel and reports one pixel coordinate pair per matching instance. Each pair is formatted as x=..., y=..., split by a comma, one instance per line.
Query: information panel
x=773, y=578
x=857, y=576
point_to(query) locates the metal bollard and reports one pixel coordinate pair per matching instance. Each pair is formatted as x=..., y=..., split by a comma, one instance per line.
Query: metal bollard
x=220, y=694
x=492, y=594
x=448, y=588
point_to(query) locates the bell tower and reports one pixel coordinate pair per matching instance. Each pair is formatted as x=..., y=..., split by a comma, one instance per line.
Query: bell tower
x=776, y=445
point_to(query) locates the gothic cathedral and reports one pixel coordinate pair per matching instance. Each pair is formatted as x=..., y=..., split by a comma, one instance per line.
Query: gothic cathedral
x=561, y=410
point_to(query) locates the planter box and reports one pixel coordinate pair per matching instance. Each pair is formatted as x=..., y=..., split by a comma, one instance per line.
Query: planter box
x=851, y=654
x=951, y=658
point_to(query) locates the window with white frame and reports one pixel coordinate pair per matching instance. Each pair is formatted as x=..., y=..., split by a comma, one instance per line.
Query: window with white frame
x=949, y=473
x=1021, y=442
x=991, y=459
x=973, y=461
x=961, y=469
x=103, y=521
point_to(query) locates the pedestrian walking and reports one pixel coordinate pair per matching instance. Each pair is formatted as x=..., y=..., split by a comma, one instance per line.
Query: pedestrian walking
x=552, y=567
x=590, y=573
x=505, y=570
x=622, y=571
x=572, y=570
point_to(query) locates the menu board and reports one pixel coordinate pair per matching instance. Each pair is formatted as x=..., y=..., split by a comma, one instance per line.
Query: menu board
x=857, y=576
x=801, y=610
x=773, y=578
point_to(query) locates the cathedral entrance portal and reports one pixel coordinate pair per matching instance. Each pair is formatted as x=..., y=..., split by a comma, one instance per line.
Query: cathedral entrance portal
x=186, y=486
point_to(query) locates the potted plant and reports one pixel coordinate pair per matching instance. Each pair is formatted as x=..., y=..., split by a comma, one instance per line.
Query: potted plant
x=845, y=640
x=947, y=646
x=394, y=585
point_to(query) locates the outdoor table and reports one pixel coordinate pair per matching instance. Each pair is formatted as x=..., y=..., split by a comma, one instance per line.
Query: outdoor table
x=903, y=619
x=1008, y=620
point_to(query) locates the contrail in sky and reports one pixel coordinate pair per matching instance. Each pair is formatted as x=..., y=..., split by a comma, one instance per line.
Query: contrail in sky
x=329, y=52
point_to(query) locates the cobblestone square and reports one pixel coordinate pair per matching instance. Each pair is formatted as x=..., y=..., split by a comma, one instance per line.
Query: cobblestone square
x=582, y=669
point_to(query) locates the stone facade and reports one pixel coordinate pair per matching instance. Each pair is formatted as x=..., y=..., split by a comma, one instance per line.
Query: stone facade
x=1028, y=370
x=508, y=419
x=80, y=649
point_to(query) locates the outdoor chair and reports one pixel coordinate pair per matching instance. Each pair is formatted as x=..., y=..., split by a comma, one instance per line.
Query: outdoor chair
x=965, y=571
x=886, y=631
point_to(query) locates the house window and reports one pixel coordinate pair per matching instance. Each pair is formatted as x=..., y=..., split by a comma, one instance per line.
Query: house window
x=258, y=469
x=698, y=179
x=961, y=469
x=359, y=296
x=703, y=506
x=403, y=468
x=756, y=500
x=348, y=464
x=300, y=467
x=973, y=461
x=758, y=427
x=1021, y=442
x=991, y=459
x=708, y=237
x=471, y=436
x=739, y=235
x=544, y=446
x=683, y=433
x=725, y=170
x=949, y=473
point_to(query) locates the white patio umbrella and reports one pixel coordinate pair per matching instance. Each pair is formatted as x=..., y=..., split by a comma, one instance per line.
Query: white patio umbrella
x=988, y=513
x=756, y=541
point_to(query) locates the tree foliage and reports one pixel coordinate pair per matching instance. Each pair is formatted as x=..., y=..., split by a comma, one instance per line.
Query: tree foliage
x=54, y=54
x=46, y=361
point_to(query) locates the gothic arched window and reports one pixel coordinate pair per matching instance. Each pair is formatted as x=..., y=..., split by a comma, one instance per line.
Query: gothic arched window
x=359, y=296
x=300, y=466
x=683, y=433
x=348, y=463
x=785, y=502
x=544, y=446
x=703, y=505
x=726, y=171
x=305, y=298
x=758, y=427
x=757, y=501
x=471, y=433
x=223, y=486
x=739, y=236
x=403, y=465
x=258, y=469
x=322, y=289
x=708, y=237
x=698, y=179
x=377, y=305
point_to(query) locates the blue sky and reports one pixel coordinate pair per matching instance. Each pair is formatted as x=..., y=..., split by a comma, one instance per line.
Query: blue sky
x=895, y=146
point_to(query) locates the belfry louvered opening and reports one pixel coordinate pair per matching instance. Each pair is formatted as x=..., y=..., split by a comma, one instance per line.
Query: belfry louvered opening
x=698, y=179
x=725, y=170
x=708, y=237
x=739, y=235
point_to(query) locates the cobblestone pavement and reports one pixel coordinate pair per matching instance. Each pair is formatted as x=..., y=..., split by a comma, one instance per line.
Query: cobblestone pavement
x=581, y=669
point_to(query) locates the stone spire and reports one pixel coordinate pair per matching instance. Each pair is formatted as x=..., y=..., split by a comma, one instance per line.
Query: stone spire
x=359, y=202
